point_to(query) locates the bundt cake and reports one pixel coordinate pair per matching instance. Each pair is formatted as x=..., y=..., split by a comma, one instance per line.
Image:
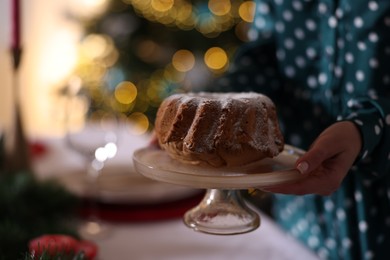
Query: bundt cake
x=221, y=129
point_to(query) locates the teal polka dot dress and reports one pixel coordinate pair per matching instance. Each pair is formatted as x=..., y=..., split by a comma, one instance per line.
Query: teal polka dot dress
x=320, y=62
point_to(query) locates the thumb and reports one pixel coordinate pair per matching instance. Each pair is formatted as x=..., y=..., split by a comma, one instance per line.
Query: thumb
x=313, y=158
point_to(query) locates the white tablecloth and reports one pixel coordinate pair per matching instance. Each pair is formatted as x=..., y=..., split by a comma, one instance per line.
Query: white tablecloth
x=172, y=239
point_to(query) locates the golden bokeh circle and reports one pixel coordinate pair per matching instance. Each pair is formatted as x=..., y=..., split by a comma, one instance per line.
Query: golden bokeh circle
x=183, y=60
x=125, y=92
x=216, y=58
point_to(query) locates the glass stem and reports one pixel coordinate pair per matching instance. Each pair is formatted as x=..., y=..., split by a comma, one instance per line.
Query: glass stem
x=92, y=190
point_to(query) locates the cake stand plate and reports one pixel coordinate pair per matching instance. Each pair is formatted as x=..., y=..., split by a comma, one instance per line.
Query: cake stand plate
x=222, y=210
x=156, y=164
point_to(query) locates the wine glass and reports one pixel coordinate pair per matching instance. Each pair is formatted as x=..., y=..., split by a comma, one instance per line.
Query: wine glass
x=96, y=145
x=95, y=139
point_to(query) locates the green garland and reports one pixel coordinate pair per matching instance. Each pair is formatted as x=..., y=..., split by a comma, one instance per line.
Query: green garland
x=30, y=208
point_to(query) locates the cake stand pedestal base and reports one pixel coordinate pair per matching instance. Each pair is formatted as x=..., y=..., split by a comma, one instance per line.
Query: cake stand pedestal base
x=222, y=212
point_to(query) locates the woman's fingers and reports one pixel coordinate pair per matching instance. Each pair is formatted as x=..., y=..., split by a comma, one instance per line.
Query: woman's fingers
x=326, y=163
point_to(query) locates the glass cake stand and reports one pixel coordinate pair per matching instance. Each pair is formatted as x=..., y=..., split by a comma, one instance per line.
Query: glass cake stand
x=222, y=210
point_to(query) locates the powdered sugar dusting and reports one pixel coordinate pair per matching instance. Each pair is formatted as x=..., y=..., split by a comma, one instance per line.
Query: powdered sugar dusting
x=230, y=125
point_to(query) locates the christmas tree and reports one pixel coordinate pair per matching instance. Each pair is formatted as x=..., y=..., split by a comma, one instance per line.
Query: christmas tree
x=140, y=51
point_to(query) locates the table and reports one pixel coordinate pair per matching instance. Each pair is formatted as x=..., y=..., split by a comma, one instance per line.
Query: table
x=172, y=240
x=169, y=238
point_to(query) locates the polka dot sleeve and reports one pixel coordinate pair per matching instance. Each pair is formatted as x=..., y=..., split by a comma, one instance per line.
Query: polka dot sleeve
x=254, y=67
x=372, y=117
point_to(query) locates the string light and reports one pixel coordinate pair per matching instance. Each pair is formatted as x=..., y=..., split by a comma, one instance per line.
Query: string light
x=219, y=16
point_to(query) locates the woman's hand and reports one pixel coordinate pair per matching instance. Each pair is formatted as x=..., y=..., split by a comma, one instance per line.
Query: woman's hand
x=327, y=162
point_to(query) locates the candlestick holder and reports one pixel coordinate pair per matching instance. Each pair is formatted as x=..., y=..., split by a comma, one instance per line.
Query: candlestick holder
x=17, y=156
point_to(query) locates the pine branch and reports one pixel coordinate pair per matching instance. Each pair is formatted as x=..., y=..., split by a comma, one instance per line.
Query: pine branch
x=31, y=208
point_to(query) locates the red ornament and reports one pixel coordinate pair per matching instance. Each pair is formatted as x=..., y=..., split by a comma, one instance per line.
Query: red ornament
x=88, y=248
x=52, y=244
x=58, y=244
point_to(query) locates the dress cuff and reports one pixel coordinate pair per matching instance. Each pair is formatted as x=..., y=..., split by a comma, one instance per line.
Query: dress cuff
x=370, y=117
x=370, y=127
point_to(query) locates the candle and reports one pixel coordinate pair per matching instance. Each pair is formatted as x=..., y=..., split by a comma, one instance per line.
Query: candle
x=16, y=25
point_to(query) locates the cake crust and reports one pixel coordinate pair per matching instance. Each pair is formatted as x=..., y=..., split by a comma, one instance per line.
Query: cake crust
x=220, y=129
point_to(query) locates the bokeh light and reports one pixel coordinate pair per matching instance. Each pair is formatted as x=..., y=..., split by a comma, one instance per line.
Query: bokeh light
x=87, y=9
x=247, y=11
x=166, y=68
x=218, y=16
x=140, y=123
x=106, y=152
x=59, y=58
x=148, y=50
x=183, y=60
x=96, y=46
x=184, y=17
x=125, y=92
x=216, y=58
x=219, y=7
x=241, y=30
x=162, y=5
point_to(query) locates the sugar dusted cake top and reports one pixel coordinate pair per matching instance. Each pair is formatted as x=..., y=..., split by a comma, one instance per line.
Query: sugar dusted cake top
x=219, y=128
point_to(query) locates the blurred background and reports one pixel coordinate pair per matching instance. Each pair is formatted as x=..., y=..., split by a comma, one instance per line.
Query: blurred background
x=96, y=58
x=126, y=54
